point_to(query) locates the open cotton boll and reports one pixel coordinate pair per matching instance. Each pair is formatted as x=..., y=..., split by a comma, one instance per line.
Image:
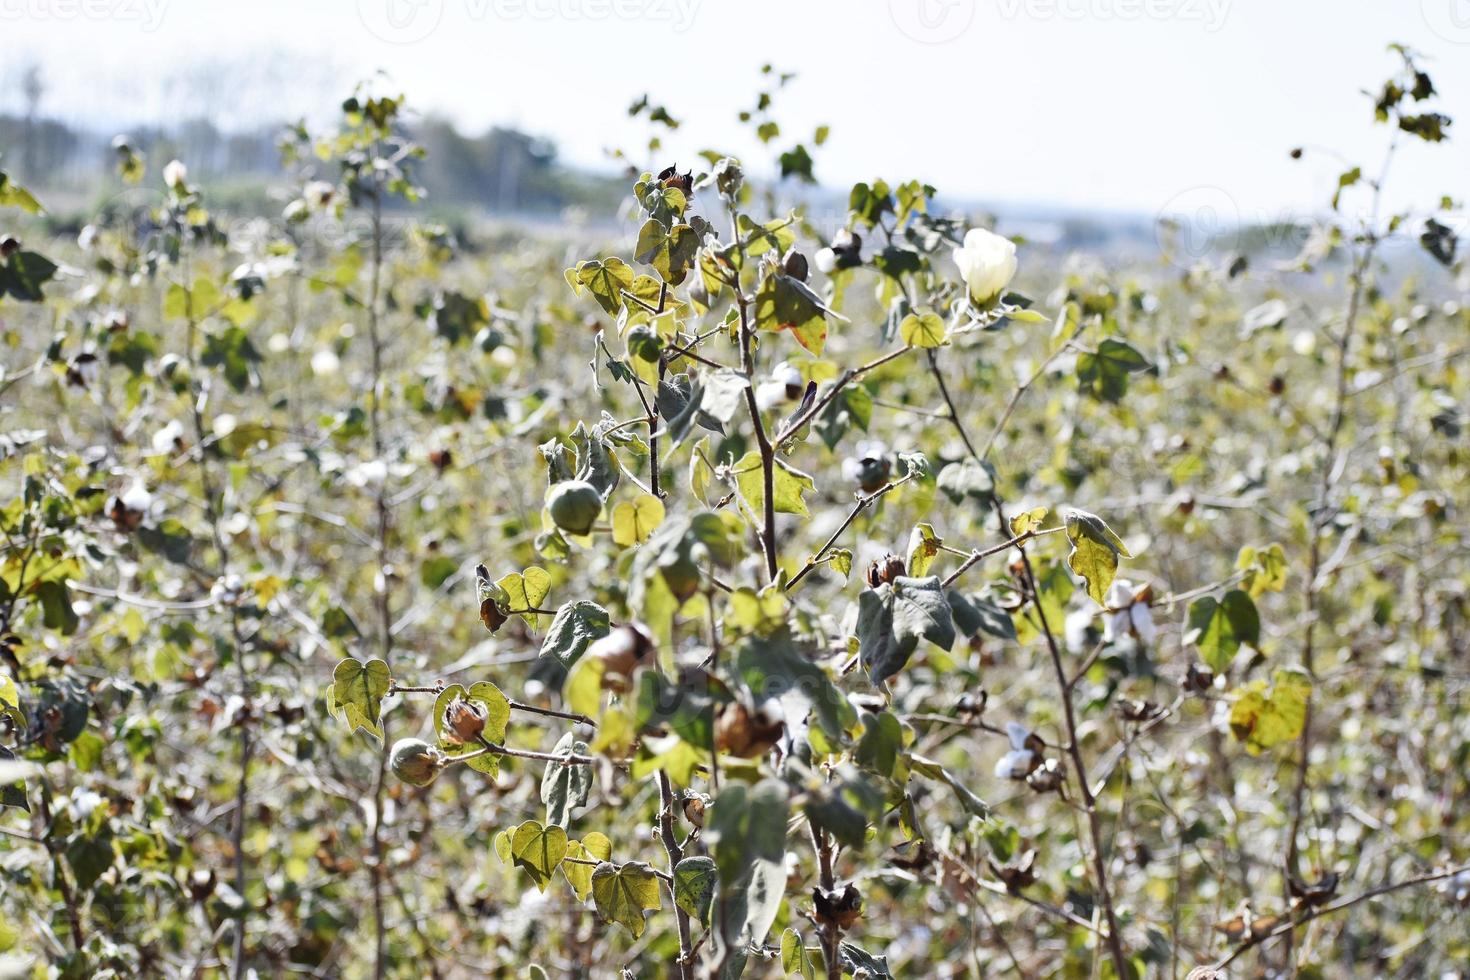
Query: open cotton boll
x=1075, y=629
x=1015, y=764
x=325, y=361
x=826, y=260
x=1143, y=623
x=166, y=439
x=136, y=497
x=1018, y=734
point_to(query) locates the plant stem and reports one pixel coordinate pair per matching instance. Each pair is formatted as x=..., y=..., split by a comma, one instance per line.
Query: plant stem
x=831, y=931
x=676, y=854
x=762, y=441
x=863, y=501
x=1074, y=748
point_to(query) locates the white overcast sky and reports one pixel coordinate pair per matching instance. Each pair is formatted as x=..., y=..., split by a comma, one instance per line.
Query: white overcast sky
x=1111, y=104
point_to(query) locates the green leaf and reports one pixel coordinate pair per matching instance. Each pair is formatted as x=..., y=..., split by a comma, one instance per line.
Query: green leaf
x=894, y=617
x=605, y=280
x=671, y=251
x=881, y=745
x=924, y=329
x=623, y=893
x=695, y=881
x=1263, y=717
x=747, y=823
x=12, y=195
x=593, y=846
x=975, y=614
x=1104, y=374
x=788, y=485
x=794, y=960
x=784, y=303
x=525, y=590
x=497, y=718
x=539, y=850
x=968, y=479
x=357, y=693
x=633, y=522
x=573, y=629
x=1029, y=521
x=565, y=787
x=12, y=780
x=1218, y=628
x=1095, y=553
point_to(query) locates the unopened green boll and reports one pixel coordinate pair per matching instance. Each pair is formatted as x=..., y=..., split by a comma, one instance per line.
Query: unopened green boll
x=416, y=762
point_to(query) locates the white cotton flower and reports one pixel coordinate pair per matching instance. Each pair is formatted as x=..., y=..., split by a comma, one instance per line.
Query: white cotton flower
x=175, y=174
x=826, y=260
x=166, y=439
x=1015, y=764
x=987, y=264
x=325, y=361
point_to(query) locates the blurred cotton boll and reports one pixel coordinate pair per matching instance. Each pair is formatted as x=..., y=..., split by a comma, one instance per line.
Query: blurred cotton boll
x=175, y=174
x=169, y=438
x=987, y=263
x=1078, y=623
x=136, y=498
x=826, y=260
x=1015, y=764
x=786, y=385
x=371, y=473
x=325, y=362
x=1128, y=614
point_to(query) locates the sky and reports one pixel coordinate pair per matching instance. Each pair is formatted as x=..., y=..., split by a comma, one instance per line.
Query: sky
x=1135, y=106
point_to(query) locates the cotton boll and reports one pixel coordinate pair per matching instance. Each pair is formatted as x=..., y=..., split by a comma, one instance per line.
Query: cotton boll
x=325, y=362
x=826, y=260
x=166, y=439
x=175, y=174
x=1018, y=734
x=137, y=498
x=769, y=394
x=1015, y=764
x=1143, y=623
x=1076, y=627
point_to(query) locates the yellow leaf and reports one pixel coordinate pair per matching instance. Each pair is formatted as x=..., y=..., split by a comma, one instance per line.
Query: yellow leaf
x=634, y=521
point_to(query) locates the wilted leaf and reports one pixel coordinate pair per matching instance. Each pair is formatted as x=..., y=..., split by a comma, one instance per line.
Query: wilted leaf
x=1263, y=717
